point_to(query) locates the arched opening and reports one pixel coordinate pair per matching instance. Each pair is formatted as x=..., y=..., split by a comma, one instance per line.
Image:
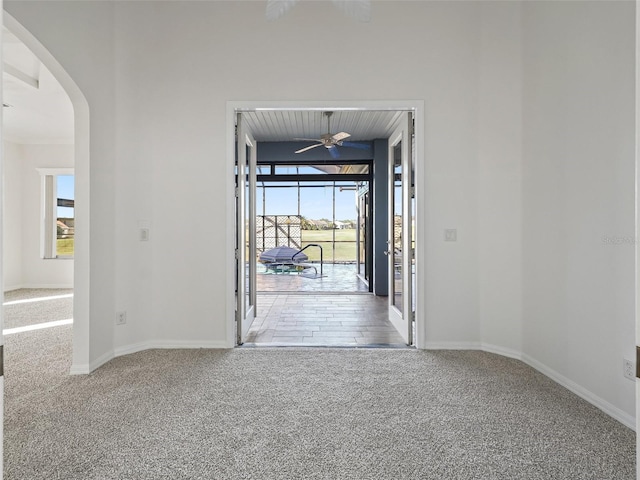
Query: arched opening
x=81, y=302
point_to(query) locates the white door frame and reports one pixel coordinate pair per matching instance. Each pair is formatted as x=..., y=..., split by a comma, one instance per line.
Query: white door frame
x=246, y=212
x=417, y=106
x=401, y=319
x=637, y=247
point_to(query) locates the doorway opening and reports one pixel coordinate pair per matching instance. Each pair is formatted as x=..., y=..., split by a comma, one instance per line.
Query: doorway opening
x=39, y=198
x=59, y=148
x=332, y=287
x=313, y=257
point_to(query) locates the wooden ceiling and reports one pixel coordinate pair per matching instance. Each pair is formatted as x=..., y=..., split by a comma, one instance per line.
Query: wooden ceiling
x=286, y=125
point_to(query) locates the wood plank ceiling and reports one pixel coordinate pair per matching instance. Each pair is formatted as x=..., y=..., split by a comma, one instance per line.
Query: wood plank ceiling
x=285, y=125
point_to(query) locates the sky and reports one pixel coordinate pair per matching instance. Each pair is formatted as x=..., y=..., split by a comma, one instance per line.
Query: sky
x=315, y=202
x=66, y=191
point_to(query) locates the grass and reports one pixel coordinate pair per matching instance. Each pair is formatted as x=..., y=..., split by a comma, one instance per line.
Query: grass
x=64, y=247
x=345, y=246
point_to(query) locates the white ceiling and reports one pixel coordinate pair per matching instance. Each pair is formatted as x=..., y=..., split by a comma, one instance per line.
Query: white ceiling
x=39, y=111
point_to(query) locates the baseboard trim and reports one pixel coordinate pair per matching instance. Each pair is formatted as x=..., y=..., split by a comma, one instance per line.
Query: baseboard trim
x=505, y=352
x=485, y=347
x=132, y=348
x=605, y=406
x=608, y=408
x=38, y=285
x=87, y=368
x=12, y=288
x=80, y=369
x=452, y=346
x=165, y=344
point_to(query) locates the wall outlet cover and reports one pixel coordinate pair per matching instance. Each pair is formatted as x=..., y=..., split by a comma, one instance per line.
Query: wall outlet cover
x=450, y=235
x=628, y=369
x=121, y=318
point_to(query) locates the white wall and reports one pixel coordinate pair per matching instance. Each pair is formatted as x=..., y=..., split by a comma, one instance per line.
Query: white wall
x=24, y=267
x=578, y=194
x=499, y=184
x=12, y=217
x=526, y=193
x=171, y=138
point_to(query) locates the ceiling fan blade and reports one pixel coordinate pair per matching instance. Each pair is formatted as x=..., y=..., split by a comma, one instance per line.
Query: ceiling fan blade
x=361, y=146
x=340, y=136
x=308, y=139
x=278, y=8
x=333, y=151
x=309, y=147
x=359, y=10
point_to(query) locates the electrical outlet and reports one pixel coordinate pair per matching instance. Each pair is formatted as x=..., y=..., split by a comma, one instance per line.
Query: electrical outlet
x=629, y=369
x=451, y=235
x=121, y=318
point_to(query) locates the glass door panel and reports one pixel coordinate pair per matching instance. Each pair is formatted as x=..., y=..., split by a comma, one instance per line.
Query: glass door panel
x=397, y=298
x=400, y=235
x=245, y=230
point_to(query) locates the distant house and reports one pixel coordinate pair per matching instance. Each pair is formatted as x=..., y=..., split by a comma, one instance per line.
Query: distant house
x=64, y=230
x=319, y=224
x=342, y=225
x=327, y=225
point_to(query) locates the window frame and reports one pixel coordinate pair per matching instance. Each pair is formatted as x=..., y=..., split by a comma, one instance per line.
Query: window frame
x=48, y=211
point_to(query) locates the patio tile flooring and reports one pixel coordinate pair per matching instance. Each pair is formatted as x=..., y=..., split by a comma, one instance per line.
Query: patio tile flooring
x=322, y=319
x=333, y=310
x=335, y=278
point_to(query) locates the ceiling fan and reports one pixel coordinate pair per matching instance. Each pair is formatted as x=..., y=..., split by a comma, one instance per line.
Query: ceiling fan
x=332, y=141
x=359, y=10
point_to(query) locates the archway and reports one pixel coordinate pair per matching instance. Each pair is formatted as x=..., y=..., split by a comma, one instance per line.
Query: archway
x=81, y=305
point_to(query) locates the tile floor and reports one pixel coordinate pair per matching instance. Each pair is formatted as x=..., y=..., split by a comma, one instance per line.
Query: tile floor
x=335, y=278
x=333, y=310
x=329, y=319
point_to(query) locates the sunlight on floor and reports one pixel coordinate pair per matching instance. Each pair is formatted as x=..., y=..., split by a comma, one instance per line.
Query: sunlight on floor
x=39, y=314
x=38, y=299
x=37, y=326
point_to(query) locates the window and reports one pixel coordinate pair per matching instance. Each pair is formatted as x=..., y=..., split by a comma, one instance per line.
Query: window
x=58, y=218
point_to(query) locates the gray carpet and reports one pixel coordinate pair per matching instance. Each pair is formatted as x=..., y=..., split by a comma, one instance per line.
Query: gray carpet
x=289, y=413
x=21, y=314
